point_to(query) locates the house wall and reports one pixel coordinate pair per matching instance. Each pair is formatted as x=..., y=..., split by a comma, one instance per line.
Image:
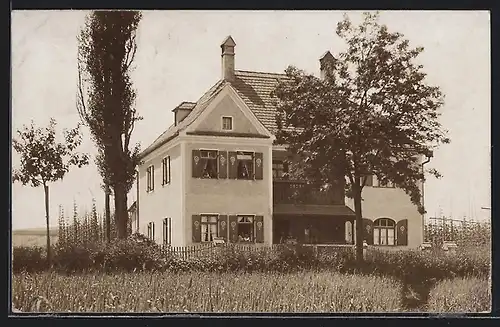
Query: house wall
x=165, y=200
x=393, y=203
x=227, y=107
x=229, y=196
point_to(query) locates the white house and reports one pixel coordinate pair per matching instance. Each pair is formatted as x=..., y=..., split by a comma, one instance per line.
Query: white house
x=216, y=173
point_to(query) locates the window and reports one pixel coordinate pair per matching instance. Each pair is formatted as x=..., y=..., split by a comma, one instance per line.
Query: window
x=151, y=231
x=378, y=183
x=245, y=229
x=208, y=227
x=227, y=123
x=279, y=169
x=245, y=164
x=165, y=163
x=209, y=163
x=167, y=231
x=150, y=186
x=384, y=232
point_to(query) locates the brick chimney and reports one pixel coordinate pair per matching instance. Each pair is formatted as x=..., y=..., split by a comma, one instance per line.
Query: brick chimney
x=323, y=61
x=228, y=59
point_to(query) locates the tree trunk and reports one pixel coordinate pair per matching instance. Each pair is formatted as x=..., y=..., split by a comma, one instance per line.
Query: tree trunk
x=359, y=221
x=121, y=214
x=107, y=212
x=46, y=191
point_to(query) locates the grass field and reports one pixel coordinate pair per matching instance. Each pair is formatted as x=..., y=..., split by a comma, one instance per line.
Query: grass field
x=33, y=237
x=461, y=295
x=205, y=292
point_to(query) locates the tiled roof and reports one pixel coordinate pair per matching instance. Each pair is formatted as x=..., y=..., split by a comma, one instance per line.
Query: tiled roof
x=253, y=87
x=185, y=105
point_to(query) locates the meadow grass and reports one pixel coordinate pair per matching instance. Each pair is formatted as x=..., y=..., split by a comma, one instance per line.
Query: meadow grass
x=461, y=295
x=205, y=292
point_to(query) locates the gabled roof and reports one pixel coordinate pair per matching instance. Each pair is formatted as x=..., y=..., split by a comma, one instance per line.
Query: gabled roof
x=253, y=87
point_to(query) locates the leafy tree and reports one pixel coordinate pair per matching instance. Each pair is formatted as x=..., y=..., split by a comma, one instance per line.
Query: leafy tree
x=44, y=160
x=371, y=113
x=106, y=51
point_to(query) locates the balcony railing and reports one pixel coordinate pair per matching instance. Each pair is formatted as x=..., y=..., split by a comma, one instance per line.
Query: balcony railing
x=301, y=192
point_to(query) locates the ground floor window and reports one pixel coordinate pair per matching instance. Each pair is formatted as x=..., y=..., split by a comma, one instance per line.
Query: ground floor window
x=208, y=227
x=384, y=231
x=151, y=231
x=245, y=229
x=167, y=231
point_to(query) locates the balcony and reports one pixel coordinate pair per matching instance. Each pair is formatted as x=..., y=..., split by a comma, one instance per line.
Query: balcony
x=302, y=192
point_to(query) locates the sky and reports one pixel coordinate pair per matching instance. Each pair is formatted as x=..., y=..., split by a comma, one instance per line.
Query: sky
x=178, y=59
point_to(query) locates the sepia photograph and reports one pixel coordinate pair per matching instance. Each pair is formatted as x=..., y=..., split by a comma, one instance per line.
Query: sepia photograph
x=194, y=162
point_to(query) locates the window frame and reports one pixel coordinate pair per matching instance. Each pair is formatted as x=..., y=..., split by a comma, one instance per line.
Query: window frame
x=252, y=174
x=150, y=178
x=167, y=231
x=253, y=233
x=283, y=170
x=166, y=174
x=232, y=123
x=216, y=159
x=208, y=223
x=151, y=231
x=379, y=227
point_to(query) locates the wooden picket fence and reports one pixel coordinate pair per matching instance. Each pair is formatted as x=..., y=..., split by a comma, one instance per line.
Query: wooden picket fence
x=208, y=249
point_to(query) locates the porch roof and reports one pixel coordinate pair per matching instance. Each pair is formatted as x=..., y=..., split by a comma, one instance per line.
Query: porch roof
x=312, y=209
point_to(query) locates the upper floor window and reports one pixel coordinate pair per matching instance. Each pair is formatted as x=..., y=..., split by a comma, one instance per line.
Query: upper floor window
x=150, y=184
x=245, y=164
x=227, y=123
x=165, y=163
x=384, y=231
x=378, y=183
x=279, y=169
x=208, y=159
x=221, y=164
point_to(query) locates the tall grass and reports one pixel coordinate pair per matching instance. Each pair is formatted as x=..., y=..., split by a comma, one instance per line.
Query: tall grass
x=206, y=292
x=461, y=295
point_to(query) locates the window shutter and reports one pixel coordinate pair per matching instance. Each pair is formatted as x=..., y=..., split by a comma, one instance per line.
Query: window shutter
x=196, y=164
x=152, y=177
x=259, y=229
x=222, y=159
x=259, y=165
x=402, y=232
x=165, y=231
x=222, y=230
x=196, y=228
x=233, y=229
x=368, y=231
x=169, y=177
x=369, y=180
x=232, y=165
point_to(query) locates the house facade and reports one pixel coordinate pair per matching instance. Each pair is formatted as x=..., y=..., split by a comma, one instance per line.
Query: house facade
x=217, y=173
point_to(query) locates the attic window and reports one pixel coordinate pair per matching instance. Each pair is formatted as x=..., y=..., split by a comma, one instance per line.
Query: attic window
x=227, y=123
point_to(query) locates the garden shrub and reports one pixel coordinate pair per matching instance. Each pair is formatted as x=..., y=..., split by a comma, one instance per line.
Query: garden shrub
x=28, y=259
x=138, y=253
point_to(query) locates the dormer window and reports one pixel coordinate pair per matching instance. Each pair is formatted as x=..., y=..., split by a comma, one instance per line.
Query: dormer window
x=227, y=123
